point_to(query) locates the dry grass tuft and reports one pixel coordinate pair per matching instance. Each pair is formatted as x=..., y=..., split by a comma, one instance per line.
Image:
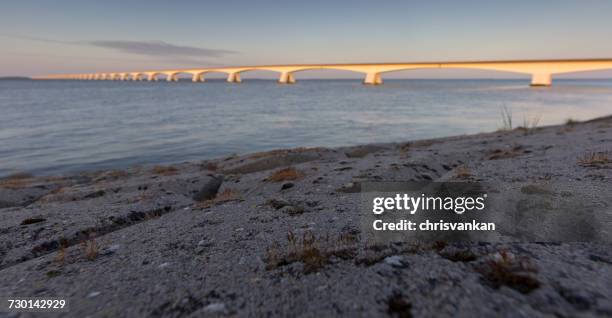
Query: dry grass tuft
x=90, y=249
x=514, y=151
x=313, y=252
x=61, y=255
x=504, y=269
x=571, y=122
x=224, y=196
x=595, y=159
x=530, y=124
x=164, y=170
x=285, y=174
x=506, y=114
x=463, y=172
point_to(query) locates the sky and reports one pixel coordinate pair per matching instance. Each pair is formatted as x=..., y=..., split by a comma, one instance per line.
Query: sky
x=81, y=36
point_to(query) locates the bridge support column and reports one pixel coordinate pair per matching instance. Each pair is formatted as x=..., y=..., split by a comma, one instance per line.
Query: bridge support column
x=152, y=78
x=541, y=79
x=286, y=78
x=172, y=78
x=234, y=78
x=197, y=78
x=373, y=79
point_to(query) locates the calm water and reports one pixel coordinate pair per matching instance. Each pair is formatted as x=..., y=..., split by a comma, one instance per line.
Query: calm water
x=52, y=127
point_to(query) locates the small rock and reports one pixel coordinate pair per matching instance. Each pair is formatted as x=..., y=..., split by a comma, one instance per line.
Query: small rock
x=351, y=187
x=112, y=249
x=216, y=308
x=343, y=168
x=205, y=243
x=93, y=294
x=395, y=261
x=164, y=265
x=287, y=185
x=32, y=221
x=210, y=189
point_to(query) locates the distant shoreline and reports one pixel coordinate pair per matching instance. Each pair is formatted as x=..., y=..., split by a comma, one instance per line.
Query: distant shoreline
x=15, y=78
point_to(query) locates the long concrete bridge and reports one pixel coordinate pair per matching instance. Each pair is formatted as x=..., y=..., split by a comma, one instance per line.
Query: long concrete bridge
x=541, y=71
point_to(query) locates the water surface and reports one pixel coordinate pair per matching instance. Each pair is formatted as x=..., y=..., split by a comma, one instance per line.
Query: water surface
x=54, y=127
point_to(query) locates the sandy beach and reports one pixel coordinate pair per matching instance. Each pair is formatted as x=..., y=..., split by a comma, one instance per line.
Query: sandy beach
x=278, y=234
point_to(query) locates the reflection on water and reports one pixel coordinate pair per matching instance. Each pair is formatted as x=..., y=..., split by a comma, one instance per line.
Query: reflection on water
x=50, y=127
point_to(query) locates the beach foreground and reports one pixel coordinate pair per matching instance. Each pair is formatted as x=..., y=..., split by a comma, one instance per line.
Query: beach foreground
x=278, y=234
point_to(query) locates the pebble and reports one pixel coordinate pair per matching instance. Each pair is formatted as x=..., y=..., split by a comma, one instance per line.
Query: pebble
x=216, y=308
x=287, y=185
x=93, y=294
x=395, y=261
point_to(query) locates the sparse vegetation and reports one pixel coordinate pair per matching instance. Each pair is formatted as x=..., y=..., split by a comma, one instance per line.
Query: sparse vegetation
x=90, y=249
x=514, y=151
x=530, y=124
x=571, y=122
x=463, y=172
x=595, y=159
x=61, y=255
x=506, y=114
x=504, y=269
x=312, y=251
x=164, y=170
x=226, y=195
x=286, y=174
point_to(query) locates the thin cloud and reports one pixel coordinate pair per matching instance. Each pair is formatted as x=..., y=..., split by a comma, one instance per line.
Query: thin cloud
x=159, y=49
x=156, y=49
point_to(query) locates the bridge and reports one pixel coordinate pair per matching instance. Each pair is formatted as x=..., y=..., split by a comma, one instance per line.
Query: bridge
x=541, y=71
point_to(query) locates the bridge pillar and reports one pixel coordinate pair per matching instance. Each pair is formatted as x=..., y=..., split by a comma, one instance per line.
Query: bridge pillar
x=152, y=78
x=197, y=78
x=286, y=78
x=541, y=79
x=234, y=78
x=172, y=78
x=372, y=79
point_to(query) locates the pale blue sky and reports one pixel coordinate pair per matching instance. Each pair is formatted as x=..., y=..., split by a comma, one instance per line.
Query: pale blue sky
x=39, y=37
